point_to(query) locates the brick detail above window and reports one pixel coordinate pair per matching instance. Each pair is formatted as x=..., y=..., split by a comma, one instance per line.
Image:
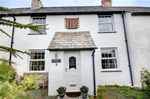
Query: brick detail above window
x=71, y=23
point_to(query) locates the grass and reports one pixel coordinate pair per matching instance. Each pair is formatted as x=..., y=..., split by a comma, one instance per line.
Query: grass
x=119, y=92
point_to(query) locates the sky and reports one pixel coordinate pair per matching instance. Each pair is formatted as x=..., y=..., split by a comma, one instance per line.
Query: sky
x=51, y=3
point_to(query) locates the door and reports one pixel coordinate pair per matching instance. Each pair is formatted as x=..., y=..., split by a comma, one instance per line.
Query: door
x=72, y=70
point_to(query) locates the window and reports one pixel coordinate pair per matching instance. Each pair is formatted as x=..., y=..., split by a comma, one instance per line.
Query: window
x=109, y=58
x=39, y=21
x=105, y=24
x=37, y=60
x=72, y=23
x=72, y=62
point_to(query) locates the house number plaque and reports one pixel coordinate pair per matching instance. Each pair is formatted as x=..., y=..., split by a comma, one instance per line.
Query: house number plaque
x=56, y=60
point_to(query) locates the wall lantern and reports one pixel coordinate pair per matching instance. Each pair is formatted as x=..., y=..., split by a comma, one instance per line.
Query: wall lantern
x=56, y=55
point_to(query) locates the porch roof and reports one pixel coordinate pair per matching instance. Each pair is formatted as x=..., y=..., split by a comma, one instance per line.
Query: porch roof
x=72, y=41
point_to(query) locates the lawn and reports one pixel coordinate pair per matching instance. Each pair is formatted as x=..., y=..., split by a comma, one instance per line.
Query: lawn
x=120, y=92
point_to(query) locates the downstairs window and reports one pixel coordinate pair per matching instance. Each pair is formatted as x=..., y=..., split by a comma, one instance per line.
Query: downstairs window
x=109, y=58
x=37, y=60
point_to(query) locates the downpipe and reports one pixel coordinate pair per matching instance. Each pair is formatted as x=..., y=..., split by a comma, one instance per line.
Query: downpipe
x=94, y=82
x=12, y=39
x=127, y=47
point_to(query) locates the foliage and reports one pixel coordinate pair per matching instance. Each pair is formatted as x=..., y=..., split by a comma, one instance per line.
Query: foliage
x=61, y=90
x=101, y=96
x=121, y=92
x=7, y=73
x=5, y=22
x=134, y=96
x=146, y=78
x=14, y=91
x=84, y=89
x=30, y=82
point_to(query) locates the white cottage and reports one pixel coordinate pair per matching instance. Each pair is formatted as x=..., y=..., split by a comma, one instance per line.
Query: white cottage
x=84, y=45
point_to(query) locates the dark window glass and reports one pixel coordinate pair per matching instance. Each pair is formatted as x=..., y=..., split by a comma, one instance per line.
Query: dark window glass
x=69, y=24
x=72, y=62
x=109, y=63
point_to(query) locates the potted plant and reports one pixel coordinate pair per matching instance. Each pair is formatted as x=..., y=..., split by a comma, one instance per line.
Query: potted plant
x=61, y=91
x=84, y=90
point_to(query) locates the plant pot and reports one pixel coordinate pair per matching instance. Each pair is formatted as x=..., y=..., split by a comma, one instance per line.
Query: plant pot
x=61, y=96
x=84, y=95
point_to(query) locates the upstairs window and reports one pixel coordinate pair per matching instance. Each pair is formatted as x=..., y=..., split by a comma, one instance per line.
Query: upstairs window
x=37, y=60
x=72, y=23
x=109, y=58
x=39, y=21
x=105, y=24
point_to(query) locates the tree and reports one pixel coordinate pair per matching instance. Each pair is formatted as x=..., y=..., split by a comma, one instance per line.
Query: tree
x=5, y=22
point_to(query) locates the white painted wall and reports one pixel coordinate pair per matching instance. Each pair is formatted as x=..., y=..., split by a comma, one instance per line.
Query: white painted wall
x=139, y=42
x=56, y=23
x=56, y=73
x=87, y=70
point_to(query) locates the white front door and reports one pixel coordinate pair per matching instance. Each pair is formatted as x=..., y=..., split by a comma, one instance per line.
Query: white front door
x=72, y=70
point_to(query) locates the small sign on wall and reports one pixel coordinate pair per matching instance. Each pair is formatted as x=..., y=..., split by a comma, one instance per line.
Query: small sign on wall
x=56, y=60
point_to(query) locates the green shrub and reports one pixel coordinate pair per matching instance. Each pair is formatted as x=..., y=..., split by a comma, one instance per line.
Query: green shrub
x=101, y=95
x=30, y=82
x=7, y=73
x=13, y=91
x=146, y=78
x=61, y=90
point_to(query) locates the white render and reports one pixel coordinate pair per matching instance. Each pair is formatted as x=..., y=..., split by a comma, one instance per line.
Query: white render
x=137, y=31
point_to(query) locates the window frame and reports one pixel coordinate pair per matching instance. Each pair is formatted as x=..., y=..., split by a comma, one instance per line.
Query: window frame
x=32, y=33
x=29, y=60
x=72, y=23
x=112, y=23
x=117, y=59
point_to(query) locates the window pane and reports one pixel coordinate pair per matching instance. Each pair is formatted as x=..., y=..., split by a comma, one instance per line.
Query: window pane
x=105, y=27
x=106, y=53
x=109, y=63
x=72, y=62
x=37, y=65
x=75, y=23
x=69, y=24
x=104, y=19
x=39, y=21
x=38, y=55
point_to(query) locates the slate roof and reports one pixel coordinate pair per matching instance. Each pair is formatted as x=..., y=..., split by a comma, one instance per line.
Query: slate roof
x=81, y=9
x=72, y=40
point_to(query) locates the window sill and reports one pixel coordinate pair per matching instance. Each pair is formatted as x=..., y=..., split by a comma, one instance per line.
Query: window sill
x=109, y=32
x=72, y=28
x=35, y=72
x=37, y=34
x=117, y=70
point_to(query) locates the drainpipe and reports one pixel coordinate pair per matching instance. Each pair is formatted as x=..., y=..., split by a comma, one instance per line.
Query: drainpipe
x=127, y=47
x=94, y=83
x=12, y=39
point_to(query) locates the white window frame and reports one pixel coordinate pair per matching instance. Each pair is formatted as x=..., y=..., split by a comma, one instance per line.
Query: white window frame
x=31, y=31
x=29, y=59
x=116, y=53
x=112, y=22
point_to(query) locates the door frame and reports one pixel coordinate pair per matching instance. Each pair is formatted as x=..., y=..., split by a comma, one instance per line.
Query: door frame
x=78, y=71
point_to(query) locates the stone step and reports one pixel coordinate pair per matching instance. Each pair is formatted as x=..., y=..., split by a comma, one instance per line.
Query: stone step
x=66, y=97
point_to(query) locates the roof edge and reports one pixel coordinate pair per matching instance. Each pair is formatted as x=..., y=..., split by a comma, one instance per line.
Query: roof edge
x=72, y=49
x=140, y=13
x=65, y=13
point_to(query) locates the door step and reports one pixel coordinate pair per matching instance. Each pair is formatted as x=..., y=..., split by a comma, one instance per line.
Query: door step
x=66, y=97
x=72, y=91
x=73, y=94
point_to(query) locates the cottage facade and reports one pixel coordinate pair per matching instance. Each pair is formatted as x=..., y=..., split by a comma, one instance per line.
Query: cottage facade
x=80, y=38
